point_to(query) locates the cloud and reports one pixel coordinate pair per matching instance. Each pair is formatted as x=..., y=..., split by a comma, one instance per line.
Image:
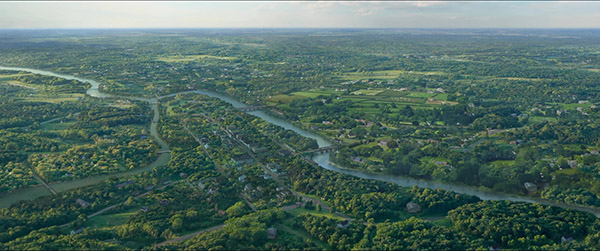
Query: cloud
x=423, y=4
x=366, y=11
x=373, y=14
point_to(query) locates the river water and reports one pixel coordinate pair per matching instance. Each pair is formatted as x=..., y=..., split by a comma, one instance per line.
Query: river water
x=321, y=159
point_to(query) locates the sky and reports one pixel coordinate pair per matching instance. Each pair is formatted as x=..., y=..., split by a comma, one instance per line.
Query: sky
x=298, y=14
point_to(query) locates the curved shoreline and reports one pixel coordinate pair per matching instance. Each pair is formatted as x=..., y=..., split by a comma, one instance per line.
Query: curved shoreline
x=33, y=192
x=321, y=159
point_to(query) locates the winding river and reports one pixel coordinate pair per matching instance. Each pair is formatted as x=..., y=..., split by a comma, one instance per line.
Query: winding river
x=321, y=159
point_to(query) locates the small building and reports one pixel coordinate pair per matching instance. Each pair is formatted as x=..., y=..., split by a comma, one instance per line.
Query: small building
x=121, y=185
x=163, y=203
x=271, y=233
x=343, y=224
x=532, y=188
x=351, y=135
x=566, y=238
x=221, y=212
x=284, y=153
x=242, y=159
x=242, y=178
x=357, y=159
x=145, y=209
x=412, y=207
x=257, y=148
x=441, y=163
x=383, y=142
x=77, y=231
x=183, y=175
x=572, y=163
x=274, y=167
x=82, y=203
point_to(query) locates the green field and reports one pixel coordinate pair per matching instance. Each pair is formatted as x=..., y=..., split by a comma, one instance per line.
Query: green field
x=110, y=220
x=188, y=58
x=367, y=92
x=540, y=119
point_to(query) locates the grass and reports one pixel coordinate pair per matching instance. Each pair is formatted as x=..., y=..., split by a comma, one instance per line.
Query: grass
x=384, y=75
x=572, y=106
x=14, y=75
x=299, y=211
x=421, y=94
x=56, y=126
x=303, y=235
x=110, y=220
x=285, y=98
x=367, y=92
x=445, y=222
x=503, y=162
x=188, y=58
x=313, y=94
x=55, y=99
x=540, y=119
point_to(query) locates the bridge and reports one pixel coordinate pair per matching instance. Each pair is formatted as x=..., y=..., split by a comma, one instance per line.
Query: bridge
x=320, y=150
x=251, y=108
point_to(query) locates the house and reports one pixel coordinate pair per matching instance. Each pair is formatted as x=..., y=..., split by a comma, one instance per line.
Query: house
x=125, y=183
x=494, y=248
x=441, y=163
x=77, y=231
x=325, y=122
x=351, y=135
x=357, y=159
x=256, y=148
x=532, y=188
x=163, y=203
x=412, y=207
x=566, y=238
x=144, y=209
x=221, y=212
x=383, y=142
x=183, y=175
x=82, y=203
x=271, y=233
x=242, y=178
x=242, y=159
x=572, y=163
x=344, y=224
x=274, y=167
x=284, y=153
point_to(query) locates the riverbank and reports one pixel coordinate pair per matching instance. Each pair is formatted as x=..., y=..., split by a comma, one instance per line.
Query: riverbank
x=37, y=191
x=323, y=159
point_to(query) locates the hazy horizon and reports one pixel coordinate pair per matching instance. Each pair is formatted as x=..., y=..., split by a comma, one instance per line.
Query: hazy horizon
x=301, y=15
